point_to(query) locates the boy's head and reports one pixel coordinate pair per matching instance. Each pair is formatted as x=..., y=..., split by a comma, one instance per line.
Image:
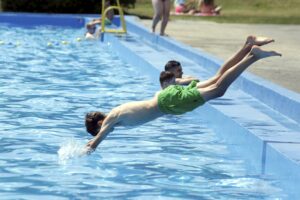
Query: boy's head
x=175, y=67
x=166, y=78
x=91, y=28
x=93, y=122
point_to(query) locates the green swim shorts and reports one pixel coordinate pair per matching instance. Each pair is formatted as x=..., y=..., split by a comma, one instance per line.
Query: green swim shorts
x=177, y=99
x=107, y=22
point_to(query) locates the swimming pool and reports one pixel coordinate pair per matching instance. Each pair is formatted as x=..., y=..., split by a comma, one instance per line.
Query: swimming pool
x=49, y=80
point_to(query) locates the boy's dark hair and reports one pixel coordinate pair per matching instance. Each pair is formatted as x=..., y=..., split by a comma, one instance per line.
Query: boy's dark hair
x=165, y=76
x=93, y=122
x=171, y=64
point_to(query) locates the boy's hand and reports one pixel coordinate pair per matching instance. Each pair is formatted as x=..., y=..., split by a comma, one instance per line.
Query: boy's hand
x=90, y=147
x=88, y=150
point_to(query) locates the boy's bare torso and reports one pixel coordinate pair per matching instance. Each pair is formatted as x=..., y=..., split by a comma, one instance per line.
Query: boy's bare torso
x=137, y=112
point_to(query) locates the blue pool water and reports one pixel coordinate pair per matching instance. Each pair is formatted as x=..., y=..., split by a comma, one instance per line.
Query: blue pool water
x=46, y=88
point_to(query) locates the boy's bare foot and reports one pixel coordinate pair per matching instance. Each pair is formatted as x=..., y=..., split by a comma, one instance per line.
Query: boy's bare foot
x=259, y=41
x=259, y=53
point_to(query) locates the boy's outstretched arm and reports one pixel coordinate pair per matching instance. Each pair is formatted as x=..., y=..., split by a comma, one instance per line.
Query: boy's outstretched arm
x=186, y=80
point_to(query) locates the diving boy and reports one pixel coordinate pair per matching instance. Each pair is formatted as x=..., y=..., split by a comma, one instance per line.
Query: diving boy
x=176, y=99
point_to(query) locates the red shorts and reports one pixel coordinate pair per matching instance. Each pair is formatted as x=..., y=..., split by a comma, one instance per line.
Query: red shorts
x=179, y=8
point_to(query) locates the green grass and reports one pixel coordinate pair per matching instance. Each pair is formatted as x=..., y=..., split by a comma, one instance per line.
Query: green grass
x=239, y=11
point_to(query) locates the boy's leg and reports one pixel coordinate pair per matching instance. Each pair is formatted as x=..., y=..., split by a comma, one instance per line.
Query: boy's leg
x=236, y=58
x=250, y=42
x=218, y=89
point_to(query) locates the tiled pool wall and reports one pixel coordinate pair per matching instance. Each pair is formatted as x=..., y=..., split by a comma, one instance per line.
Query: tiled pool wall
x=250, y=146
x=28, y=20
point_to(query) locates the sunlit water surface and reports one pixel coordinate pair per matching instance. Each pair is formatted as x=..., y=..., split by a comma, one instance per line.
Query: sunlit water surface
x=46, y=88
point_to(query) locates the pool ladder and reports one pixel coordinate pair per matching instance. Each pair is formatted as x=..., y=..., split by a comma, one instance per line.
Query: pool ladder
x=104, y=11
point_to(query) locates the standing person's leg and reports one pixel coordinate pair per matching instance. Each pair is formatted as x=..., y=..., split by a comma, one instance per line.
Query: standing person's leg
x=219, y=88
x=166, y=15
x=236, y=58
x=158, y=10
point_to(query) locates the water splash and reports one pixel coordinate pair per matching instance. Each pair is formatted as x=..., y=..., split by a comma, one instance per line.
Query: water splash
x=70, y=150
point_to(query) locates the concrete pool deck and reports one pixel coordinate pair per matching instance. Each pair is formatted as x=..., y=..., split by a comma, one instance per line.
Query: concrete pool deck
x=222, y=40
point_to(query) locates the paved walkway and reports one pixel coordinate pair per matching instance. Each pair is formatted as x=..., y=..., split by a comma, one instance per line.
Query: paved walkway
x=222, y=40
